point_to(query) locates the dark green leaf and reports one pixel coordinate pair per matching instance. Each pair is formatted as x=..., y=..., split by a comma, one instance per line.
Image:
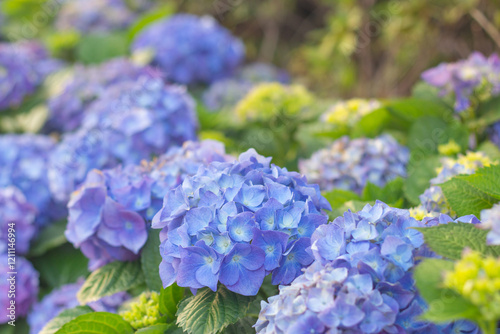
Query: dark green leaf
x=210, y=312
x=151, y=259
x=97, y=322
x=449, y=240
x=411, y=109
x=390, y=193
x=96, y=48
x=242, y=326
x=50, y=237
x=64, y=317
x=110, y=279
x=169, y=299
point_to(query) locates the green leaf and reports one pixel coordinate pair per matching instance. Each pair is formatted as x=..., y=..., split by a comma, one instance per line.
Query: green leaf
x=64, y=317
x=429, y=277
x=242, y=326
x=338, y=197
x=151, y=259
x=421, y=169
x=449, y=240
x=488, y=112
x=490, y=149
x=50, y=237
x=169, y=299
x=210, y=312
x=372, y=124
x=61, y=265
x=486, y=179
x=390, y=193
x=97, y=322
x=159, y=329
x=411, y=109
x=97, y=48
x=110, y=279
x=148, y=19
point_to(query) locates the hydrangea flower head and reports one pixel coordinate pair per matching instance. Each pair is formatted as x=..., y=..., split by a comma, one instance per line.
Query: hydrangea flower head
x=349, y=112
x=225, y=93
x=130, y=122
x=433, y=200
x=145, y=311
x=109, y=214
x=26, y=282
x=191, y=49
x=69, y=101
x=268, y=100
x=23, y=164
x=16, y=214
x=475, y=75
x=23, y=67
x=490, y=219
x=262, y=72
x=234, y=223
x=94, y=16
x=361, y=280
x=64, y=298
x=350, y=163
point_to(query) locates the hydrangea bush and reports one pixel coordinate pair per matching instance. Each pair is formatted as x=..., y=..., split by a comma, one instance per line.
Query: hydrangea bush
x=17, y=220
x=361, y=280
x=234, y=223
x=130, y=122
x=69, y=103
x=110, y=212
x=191, y=49
x=350, y=163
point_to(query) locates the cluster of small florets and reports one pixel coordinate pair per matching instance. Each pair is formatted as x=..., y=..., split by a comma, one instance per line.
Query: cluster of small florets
x=360, y=282
x=348, y=113
x=90, y=16
x=130, y=122
x=144, y=312
x=23, y=67
x=24, y=286
x=234, y=223
x=17, y=220
x=350, y=164
x=477, y=278
x=270, y=100
x=433, y=200
x=64, y=298
x=191, y=49
x=70, y=100
x=490, y=219
x=476, y=75
x=110, y=212
x=23, y=164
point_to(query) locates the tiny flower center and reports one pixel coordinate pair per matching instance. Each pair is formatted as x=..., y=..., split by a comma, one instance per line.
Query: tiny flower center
x=209, y=259
x=290, y=257
x=236, y=258
x=238, y=231
x=270, y=249
x=128, y=225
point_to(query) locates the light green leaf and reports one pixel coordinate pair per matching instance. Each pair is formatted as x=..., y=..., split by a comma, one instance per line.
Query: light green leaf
x=411, y=109
x=169, y=299
x=487, y=180
x=421, y=169
x=210, y=312
x=50, y=237
x=449, y=240
x=151, y=259
x=372, y=124
x=98, y=323
x=110, y=279
x=64, y=317
x=97, y=48
x=390, y=193
x=149, y=18
x=158, y=329
x=338, y=197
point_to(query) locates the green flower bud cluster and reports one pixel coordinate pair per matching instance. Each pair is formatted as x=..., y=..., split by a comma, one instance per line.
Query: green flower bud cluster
x=144, y=312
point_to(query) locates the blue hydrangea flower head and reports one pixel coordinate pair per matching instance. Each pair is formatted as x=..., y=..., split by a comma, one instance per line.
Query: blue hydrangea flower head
x=131, y=121
x=225, y=93
x=361, y=279
x=433, y=200
x=92, y=16
x=191, y=49
x=64, y=298
x=26, y=282
x=490, y=219
x=70, y=100
x=476, y=74
x=23, y=164
x=109, y=214
x=235, y=223
x=350, y=163
x=23, y=67
x=16, y=214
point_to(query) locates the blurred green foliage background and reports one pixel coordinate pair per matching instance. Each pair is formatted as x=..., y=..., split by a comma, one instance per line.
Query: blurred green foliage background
x=338, y=48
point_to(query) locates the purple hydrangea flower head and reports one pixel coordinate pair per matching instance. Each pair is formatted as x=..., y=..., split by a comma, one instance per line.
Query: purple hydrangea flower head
x=109, y=214
x=361, y=280
x=433, y=200
x=130, y=122
x=16, y=214
x=349, y=164
x=476, y=74
x=68, y=105
x=23, y=164
x=236, y=222
x=94, y=16
x=64, y=298
x=23, y=67
x=26, y=287
x=191, y=49
x=262, y=72
x=490, y=219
